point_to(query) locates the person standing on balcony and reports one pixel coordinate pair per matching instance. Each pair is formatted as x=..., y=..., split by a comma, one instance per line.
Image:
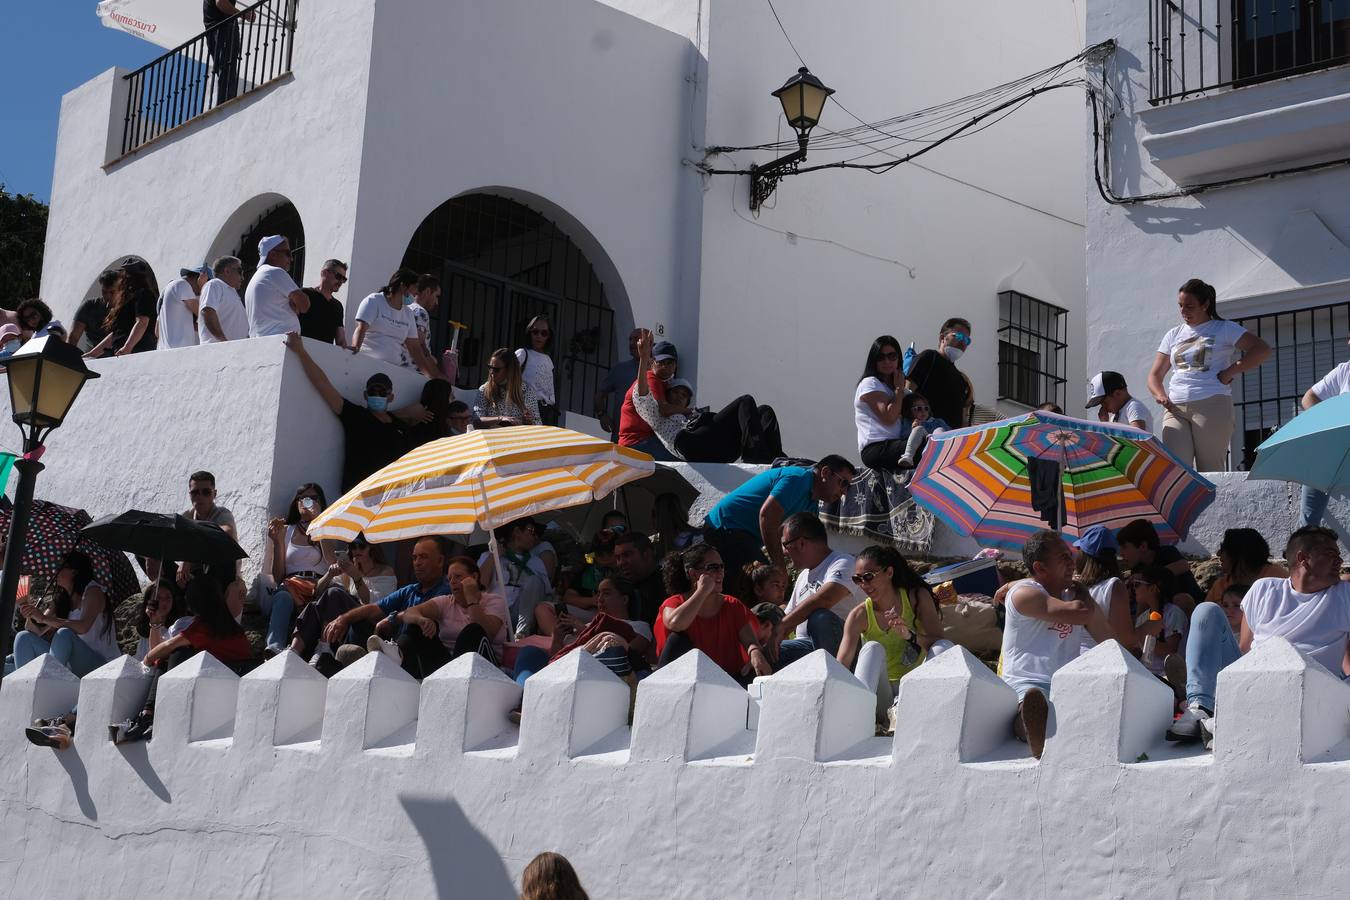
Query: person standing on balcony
x=176, y=314
x=89, y=317
x=536, y=367
x=273, y=299
x=324, y=321
x=934, y=374
x=222, y=317
x=386, y=330
x=223, y=43
x=1333, y=384
x=1205, y=353
x=131, y=318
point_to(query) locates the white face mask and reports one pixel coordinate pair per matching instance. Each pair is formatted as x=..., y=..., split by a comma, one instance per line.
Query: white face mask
x=952, y=353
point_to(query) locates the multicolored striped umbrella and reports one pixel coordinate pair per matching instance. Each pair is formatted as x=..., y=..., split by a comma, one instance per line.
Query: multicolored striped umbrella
x=977, y=480
x=484, y=478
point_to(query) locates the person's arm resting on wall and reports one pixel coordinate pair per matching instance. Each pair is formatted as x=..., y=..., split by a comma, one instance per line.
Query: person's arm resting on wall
x=316, y=375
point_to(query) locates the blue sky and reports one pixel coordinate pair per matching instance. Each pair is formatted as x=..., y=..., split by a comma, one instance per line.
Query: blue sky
x=53, y=46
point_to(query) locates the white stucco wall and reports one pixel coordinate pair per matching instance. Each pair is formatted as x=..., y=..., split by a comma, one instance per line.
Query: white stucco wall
x=282, y=783
x=175, y=202
x=1275, y=245
x=789, y=319
x=243, y=411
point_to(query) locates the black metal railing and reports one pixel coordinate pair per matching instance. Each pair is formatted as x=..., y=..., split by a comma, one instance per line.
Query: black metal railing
x=1306, y=344
x=1198, y=45
x=228, y=60
x=1032, y=350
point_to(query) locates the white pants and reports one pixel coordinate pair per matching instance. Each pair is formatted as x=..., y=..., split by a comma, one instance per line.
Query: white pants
x=872, y=671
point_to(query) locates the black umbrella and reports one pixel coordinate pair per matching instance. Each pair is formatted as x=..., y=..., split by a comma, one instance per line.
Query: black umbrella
x=166, y=537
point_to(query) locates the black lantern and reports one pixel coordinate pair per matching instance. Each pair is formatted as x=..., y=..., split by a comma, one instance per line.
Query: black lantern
x=803, y=97
x=45, y=377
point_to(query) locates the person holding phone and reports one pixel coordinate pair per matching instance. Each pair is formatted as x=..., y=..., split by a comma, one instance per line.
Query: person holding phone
x=357, y=576
x=297, y=564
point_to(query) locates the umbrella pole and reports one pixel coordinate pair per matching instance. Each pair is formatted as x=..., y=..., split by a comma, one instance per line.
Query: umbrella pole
x=497, y=564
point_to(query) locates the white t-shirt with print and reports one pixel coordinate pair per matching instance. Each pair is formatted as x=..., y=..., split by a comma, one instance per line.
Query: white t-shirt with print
x=387, y=330
x=176, y=328
x=422, y=322
x=230, y=313
x=1134, y=411
x=267, y=299
x=1198, y=354
x=870, y=428
x=1317, y=624
x=537, y=370
x=837, y=568
x=1334, y=383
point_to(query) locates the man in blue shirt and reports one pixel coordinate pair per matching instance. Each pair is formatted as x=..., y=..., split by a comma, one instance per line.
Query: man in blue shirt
x=429, y=561
x=746, y=522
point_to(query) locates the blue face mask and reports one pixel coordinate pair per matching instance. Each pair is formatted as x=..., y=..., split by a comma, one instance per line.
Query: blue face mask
x=409, y=298
x=377, y=404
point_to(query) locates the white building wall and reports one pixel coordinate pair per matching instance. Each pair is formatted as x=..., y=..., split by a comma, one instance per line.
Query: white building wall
x=286, y=784
x=1274, y=245
x=191, y=195
x=792, y=300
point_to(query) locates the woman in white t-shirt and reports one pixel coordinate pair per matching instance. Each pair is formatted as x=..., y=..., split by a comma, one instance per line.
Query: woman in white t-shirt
x=877, y=405
x=385, y=327
x=1204, y=354
x=536, y=367
x=78, y=631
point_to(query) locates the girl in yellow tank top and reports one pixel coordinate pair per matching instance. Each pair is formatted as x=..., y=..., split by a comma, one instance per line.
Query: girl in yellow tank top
x=899, y=613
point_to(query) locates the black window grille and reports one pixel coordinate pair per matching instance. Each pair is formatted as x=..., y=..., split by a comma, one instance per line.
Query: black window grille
x=1032, y=351
x=1197, y=45
x=1305, y=344
x=502, y=263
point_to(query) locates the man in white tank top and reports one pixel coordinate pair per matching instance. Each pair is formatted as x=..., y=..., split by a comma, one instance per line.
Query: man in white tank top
x=1046, y=616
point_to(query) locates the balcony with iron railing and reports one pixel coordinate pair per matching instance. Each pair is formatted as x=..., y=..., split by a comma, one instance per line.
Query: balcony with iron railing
x=1196, y=46
x=230, y=60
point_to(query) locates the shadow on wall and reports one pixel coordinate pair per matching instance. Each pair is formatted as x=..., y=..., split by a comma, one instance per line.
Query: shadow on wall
x=463, y=862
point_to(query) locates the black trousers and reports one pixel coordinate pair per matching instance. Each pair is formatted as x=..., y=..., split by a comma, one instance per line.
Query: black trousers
x=315, y=616
x=740, y=430
x=883, y=454
x=223, y=44
x=180, y=656
x=423, y=655
x=678, y=644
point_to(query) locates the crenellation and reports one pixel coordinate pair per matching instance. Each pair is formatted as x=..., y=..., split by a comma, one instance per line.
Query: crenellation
x=689, y=710
x=1105, y=708
x=196, y=701
x=814, y=710
x=463, y=707
x=281, y=703
x=370, y=704
x=952, y=710
x=571, y=708
x=112, y=693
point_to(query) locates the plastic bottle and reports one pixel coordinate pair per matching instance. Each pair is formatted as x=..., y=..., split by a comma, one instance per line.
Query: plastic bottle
x=1150, y=641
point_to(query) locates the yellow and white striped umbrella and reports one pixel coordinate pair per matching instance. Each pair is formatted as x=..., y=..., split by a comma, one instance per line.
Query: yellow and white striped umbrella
x=485, y=478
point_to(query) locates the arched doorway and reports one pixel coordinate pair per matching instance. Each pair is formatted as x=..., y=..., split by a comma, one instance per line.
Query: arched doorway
x=501, y=263
x=263, y=215
x=91, y=310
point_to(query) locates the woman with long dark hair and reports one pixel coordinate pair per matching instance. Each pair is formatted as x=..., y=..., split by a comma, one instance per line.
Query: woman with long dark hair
x=536, y=367
x=504, y=398
x=698, y=615
x=163, y=615
x=297, y=564
x=877, y=406
x=1205, y=353
x=436, y=397
x=896, y=625
x=1244, y=556
x=80, y=625
x=131, y=317
x=358, y=576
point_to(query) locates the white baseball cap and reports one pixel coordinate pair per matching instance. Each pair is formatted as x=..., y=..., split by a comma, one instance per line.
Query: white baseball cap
x=270, y=243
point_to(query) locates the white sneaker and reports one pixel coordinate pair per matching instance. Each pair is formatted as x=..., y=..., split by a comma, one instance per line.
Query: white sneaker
x=1207, y=732
x=377, y=644
x=1188, y=726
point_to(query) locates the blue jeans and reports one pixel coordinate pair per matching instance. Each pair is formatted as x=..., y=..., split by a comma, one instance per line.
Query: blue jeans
x=824, y=631
x=1314, y=505
x=1211, y=646
x=653, y=447
x=278, y=606
x=528, y=661
x=66, y=647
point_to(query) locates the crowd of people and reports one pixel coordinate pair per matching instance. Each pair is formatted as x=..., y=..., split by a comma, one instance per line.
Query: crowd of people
x=757, y=588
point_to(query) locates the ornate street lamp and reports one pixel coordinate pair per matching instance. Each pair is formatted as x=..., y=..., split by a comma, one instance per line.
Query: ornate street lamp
x=45, y=377
x=803, y=97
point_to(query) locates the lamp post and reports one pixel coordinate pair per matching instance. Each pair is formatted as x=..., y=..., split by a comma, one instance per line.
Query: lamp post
x=803, y=98
x=45, y=377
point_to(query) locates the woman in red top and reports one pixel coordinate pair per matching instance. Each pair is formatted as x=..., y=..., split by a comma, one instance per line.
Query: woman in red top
x=699, y=616
x=213, y=631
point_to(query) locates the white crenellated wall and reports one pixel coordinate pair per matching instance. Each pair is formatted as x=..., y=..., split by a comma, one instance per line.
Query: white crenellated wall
x=371, y=785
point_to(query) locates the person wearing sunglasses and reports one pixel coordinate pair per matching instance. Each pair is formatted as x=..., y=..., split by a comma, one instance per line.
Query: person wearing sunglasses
x=890, y=633
x=273, y=300
x=698, y=616
x=935, y=375
x=876, y=406
x=536, y=367
x=386, y=330
x=297, y=564
x=202, y=494
x=324, y=321
x=822, y=595
x=505, y=398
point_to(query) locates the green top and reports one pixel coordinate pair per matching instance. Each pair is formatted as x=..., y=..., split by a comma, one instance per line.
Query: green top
x=902, y=656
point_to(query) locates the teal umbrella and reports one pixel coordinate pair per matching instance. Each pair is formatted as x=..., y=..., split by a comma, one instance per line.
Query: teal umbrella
x=1314, y=449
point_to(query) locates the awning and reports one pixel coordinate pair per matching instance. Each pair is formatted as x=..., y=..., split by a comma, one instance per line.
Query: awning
x=168, y=23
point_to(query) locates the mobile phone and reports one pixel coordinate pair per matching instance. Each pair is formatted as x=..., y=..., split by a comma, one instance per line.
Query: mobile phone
x=560, y=607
